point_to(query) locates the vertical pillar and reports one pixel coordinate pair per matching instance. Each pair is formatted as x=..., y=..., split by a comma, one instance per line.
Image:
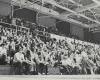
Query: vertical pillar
x=12, y=11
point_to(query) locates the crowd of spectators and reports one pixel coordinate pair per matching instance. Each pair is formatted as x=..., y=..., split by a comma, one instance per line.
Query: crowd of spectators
x=35, y=54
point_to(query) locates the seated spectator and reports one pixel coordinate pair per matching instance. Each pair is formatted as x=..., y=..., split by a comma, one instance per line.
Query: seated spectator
x=18, y=62
x=3, y=54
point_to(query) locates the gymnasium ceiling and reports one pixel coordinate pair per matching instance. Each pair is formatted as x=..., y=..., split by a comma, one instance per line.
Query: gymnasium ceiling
x=84, y=12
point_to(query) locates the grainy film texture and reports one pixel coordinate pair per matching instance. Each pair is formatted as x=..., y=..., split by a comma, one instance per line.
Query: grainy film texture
x=49, y=37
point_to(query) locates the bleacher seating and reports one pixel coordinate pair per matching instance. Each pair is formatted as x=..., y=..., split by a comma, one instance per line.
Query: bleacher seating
x=62, y=52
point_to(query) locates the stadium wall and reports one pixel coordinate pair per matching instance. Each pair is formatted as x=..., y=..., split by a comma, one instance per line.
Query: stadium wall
x=5, y=8
x=77, y=31
x=26, y=14
x=96, y=37
x=46, y=21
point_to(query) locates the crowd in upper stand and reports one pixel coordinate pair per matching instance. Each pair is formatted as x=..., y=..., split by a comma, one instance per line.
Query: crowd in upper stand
x=34, y=54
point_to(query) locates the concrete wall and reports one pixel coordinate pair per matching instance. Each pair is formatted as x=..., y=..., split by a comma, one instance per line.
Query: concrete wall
x=46, y=21
x=96, y=37
x=77, y=30
x=63, y=27
x=5, y=9
x=26, y=14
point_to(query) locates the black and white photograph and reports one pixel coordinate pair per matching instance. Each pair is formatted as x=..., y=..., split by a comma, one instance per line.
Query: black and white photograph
x=50, y=37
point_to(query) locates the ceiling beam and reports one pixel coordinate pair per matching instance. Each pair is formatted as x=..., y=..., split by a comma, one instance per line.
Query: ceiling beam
x=1, y=1
x=74, y=2
x=96, y=1
x=84, y=8
x=40, y=9
x=67, y=9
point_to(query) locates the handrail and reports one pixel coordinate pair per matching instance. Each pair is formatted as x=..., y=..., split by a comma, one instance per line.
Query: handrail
x=14, y=25
x=23, y=27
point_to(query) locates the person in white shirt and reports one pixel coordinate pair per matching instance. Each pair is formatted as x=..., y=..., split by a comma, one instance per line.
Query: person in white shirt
x=41, y=62
x=18, y=62
x=33, y=63
x=67, y=63
x=30, y=65
x=87, y=64
x=12, y=50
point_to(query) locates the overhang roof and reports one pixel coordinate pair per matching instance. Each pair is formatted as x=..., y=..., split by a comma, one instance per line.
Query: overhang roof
x=83, y=12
